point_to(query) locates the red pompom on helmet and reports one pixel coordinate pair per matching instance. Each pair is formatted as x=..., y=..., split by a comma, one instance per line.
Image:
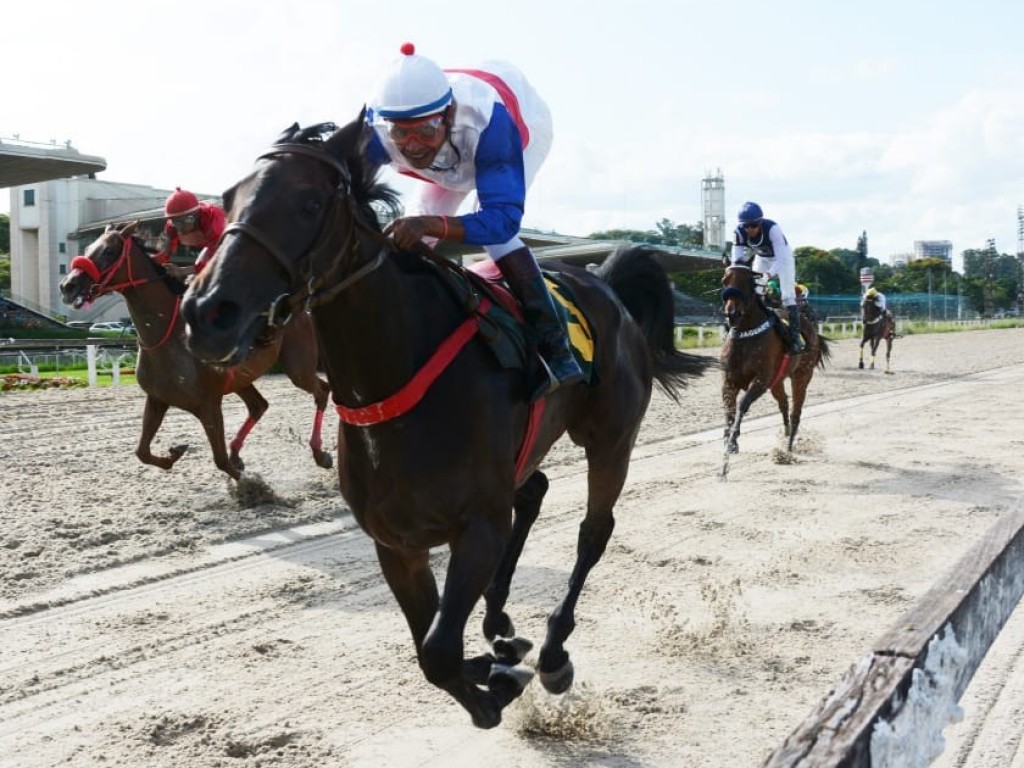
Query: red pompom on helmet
x=180, y=202
x=412, y=86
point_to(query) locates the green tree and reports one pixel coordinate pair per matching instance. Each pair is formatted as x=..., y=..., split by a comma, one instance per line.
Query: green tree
x=822, y=272
x=862, y=251
x=5, y=233
x=666, y=232
x=992, y=280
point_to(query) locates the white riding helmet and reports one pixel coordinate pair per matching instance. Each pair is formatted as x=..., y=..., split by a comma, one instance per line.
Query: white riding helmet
x=412, y=86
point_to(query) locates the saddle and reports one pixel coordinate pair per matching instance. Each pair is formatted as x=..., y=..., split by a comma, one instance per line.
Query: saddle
x=503, y=328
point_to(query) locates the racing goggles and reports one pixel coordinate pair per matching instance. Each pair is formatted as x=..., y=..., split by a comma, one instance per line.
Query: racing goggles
x=425, y=130
x=185, y=223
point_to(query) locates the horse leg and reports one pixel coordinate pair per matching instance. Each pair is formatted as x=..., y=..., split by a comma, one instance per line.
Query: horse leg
x=474, y=551
x=874, y=351
x=729, y=395
x=888, y=352
x=298, y=360
x=779, y=393
x=498, y=627
x=606, y=474
x=748, y=399
x=799, y=395
x=860, y=363
x=212, y=419
x=152, y=417
x=257, y=406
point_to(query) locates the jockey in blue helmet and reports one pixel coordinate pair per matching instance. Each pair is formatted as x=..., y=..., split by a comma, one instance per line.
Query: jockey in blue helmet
x=772, y=256
x=482, y=130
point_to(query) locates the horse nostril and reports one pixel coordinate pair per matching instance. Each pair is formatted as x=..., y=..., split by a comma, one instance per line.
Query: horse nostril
x=222, y=316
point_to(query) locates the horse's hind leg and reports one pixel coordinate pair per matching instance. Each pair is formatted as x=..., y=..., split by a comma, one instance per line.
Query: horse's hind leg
x=606, y=474
x=299, y=354
x=888, y=353
x=257, y=406
x=152, y=417
x=497, y=623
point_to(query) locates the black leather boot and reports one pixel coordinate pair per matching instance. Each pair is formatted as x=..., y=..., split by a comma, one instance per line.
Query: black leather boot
x=525, y=281
x=796, y=342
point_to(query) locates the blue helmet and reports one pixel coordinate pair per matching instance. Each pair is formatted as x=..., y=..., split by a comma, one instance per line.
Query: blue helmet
x=750, y=213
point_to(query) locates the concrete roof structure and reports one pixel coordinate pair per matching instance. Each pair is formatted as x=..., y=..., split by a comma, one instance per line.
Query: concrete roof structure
x=23, y=162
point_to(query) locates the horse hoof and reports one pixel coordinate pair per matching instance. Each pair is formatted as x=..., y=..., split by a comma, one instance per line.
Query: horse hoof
x=732, y=448
x=509, y=680
x=487, y=718
x=237, y=463
x=477, y=670
x=511, y=650
x=861, y=366
x=498, y=625
x=558, y=681
x=177, y=451
x=323, y=459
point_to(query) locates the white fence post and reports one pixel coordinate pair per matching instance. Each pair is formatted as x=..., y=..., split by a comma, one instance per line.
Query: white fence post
x=90, y=360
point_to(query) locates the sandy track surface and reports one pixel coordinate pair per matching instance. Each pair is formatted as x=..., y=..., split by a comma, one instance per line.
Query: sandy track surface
x=152, y=618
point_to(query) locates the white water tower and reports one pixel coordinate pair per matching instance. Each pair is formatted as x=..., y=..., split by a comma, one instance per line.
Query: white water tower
x=713, y=206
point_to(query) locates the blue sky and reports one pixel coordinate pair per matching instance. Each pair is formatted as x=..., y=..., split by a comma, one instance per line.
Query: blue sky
x=904, y=120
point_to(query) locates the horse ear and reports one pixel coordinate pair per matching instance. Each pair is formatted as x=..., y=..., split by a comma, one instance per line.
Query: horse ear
x=129, y=228
x=346, y=141
x=287, y=134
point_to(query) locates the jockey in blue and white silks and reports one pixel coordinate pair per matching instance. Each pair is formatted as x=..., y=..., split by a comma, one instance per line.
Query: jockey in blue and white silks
x=482, y=130
x=499, y=136
x=772, y=256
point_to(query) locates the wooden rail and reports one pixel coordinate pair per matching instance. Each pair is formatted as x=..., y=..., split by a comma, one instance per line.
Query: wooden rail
x=894, y=703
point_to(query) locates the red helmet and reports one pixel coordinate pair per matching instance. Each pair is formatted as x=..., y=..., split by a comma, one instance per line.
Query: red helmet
x=180, y=202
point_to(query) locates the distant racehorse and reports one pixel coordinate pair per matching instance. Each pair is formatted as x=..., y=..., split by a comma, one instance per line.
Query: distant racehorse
x=878, y=325
x=755, y=356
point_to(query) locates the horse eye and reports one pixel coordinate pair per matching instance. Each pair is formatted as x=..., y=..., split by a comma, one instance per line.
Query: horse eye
x=312, y=207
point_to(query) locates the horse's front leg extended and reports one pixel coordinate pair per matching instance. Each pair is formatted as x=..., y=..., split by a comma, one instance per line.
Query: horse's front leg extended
x=497, y=623
x=749, y=398
x=729, y=395
x=475, y=551
x=152, y=417
x=860, y=363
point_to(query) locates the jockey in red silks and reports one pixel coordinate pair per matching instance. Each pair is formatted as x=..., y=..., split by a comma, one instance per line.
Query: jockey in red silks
x=192, y=223
x=482, y=130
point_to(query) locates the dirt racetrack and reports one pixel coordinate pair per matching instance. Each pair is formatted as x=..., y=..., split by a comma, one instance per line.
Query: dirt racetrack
x=156, y=619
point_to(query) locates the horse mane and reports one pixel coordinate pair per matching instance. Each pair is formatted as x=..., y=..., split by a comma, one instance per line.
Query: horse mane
x=347, y=145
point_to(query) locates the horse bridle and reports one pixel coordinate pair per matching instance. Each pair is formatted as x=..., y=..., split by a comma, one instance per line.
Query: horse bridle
x=101, y=284
x=733, y=292
x=310, y=295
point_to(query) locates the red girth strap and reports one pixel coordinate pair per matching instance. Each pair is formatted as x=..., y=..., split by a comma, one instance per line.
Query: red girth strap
x=408, y=396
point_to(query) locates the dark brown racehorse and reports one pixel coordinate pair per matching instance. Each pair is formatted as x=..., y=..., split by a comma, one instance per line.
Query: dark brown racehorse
x=429, y=454
x=168, y=373
x=878, y=325
x=755, y=356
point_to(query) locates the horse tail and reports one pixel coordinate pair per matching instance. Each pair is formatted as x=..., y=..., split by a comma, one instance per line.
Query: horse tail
x=642, y=285
x=824, y=351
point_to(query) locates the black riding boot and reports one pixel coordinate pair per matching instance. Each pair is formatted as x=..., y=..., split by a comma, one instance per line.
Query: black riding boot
x=520, y=269
x=796, y=342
